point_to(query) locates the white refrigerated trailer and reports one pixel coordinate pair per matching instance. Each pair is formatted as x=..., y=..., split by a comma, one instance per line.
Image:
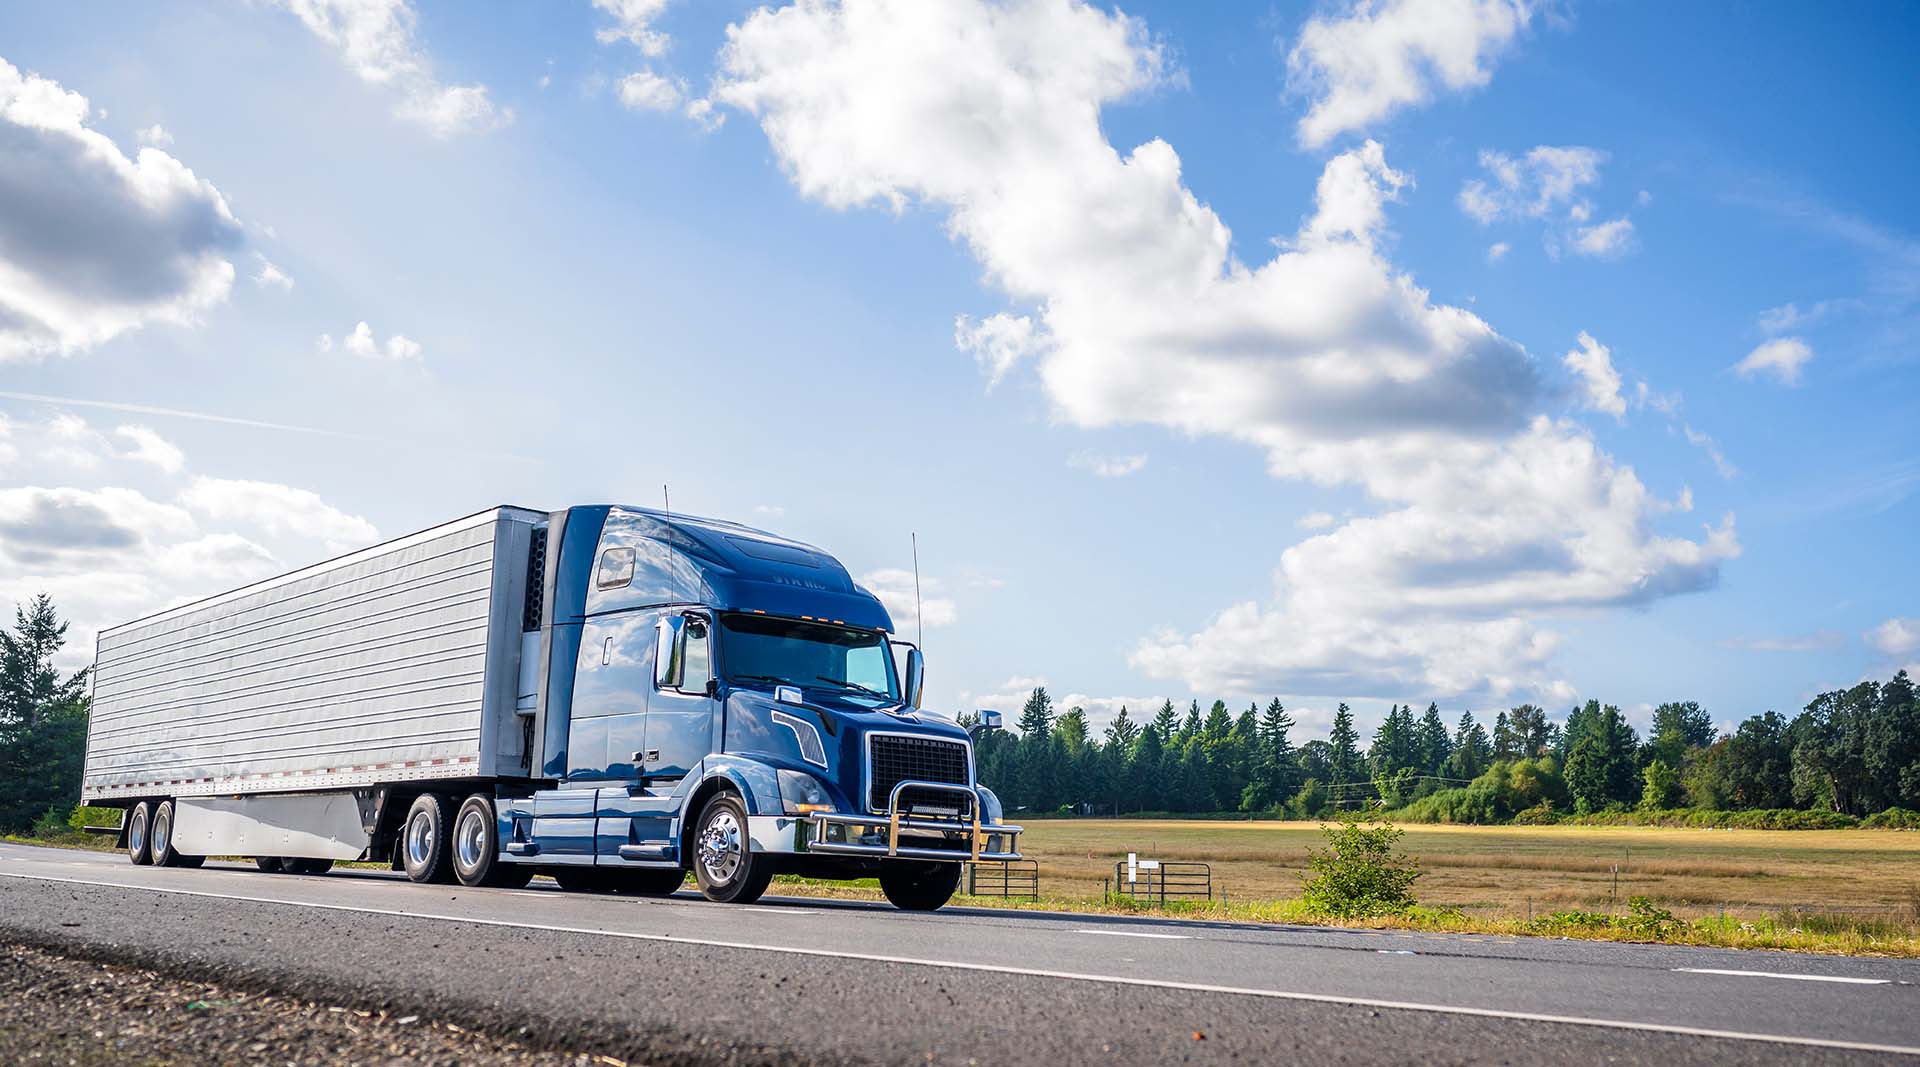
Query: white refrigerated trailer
x=260, y=721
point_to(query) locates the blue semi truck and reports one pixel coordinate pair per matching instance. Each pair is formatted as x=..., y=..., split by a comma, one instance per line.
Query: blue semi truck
x=612, y=696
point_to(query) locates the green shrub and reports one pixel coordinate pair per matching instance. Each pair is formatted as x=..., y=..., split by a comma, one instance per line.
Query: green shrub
x=84, y=816
x=1641, y=920
x=1893, y=819
x=1360, y=874
x=52, y=824
x=1758, y=819
x=1541, y=814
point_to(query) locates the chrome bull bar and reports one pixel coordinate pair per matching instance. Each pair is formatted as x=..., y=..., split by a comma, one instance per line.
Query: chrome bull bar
x=980, y=836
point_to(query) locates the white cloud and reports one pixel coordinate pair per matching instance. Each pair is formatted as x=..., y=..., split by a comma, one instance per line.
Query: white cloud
x=1812, y=642
x=155, y=135
x=1606, y=240
x=894, y=587
x=1895, y=638
x=361, y=342
x=1780, y=358
x=109, y=552
x=998, y=343
x=376, y=39
x=1374, y=57
x=1547, y=181
x=1497, y=251
x=93, y=244
x=1592, y=362
x=1318, y=520
x=1106, y=466
x=146, y=446
x=771, y=511
x=278, y=510
x=1711, y=447
x=270, y=275
x=646, y=91
x=633, y=23
x=324, y=343
x=1337, y=366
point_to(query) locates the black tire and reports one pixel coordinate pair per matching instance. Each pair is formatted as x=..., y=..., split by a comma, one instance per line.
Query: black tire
x=510, y=876
x=306, y=866
x=648, y=882
x=916, y=886
x=160, y=836
x=269, y=864
x=189, y=861
x=579, y=879
x=724, y=863
x=138, y=818
x=476, y=843
x=424, y=840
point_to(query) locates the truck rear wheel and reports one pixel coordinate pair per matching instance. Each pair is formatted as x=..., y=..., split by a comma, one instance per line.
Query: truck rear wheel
x=476, y=846
x=915, y=886
x=424, y=840
x=306, y=866
x=269, y=864
x=724, y=862
x=160, y=836
x=137, y=819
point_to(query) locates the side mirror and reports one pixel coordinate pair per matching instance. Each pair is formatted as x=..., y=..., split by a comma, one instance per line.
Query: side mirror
x=916, y=682
x=670, y=652
x=987, y=722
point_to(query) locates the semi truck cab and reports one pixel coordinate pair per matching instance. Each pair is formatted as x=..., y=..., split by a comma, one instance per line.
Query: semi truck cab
x=719, y=699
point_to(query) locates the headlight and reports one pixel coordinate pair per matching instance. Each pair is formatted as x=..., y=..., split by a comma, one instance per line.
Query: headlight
x=802, y=793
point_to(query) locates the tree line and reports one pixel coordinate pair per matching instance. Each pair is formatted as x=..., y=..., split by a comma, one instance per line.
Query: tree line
x=1854, y=752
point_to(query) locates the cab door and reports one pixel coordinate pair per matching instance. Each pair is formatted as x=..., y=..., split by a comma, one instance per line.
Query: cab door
x=681, y=710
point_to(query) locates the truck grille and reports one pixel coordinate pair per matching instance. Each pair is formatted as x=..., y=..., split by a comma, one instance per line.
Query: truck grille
x=921, y=759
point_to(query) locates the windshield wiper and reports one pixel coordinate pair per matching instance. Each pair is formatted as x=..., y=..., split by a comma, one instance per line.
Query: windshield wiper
x=761, y=678
x=856, y=687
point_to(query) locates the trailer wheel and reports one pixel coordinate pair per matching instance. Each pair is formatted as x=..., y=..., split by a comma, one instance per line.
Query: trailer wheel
x=914, y=886
x=476, y=845
x=188, y=861
x=160, y=836
x=724, y=863
x=137, y=843
x=306, y=866
x=424, y=840
x=269, y=864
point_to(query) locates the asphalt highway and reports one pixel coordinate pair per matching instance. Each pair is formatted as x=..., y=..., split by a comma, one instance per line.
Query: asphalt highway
x=791, y=980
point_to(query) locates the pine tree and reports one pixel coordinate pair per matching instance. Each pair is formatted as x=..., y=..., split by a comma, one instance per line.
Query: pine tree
x=43, y=718
x=1036, y=717
x=1530, y=733
x=1506, y=744
x=1344, y=759
x=1431, y=743
x=1189, y=726
x=1472, y=752
x=1163, y=723
x=1277, y=769
x=1121, y=731
x=1147, y=785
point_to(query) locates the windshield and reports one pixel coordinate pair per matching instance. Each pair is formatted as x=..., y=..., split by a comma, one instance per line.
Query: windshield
x=764, y=650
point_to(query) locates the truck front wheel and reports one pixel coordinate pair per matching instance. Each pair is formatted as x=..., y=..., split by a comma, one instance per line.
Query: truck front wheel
x=424, y=840
x=724, y=862
x=914, y=886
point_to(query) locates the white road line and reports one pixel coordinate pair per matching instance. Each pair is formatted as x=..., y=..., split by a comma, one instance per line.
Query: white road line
x=1135, y=933
x=1792, y=977
x=1035, y=972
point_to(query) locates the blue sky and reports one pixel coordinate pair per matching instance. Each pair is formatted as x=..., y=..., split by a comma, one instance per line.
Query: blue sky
x=1211, y=350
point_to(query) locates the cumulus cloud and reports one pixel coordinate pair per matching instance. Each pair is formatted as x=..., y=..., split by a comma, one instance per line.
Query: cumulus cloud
x=998, y=342
x=1339, y=367
x=94, y=244
x=1592, y=363
x=279, y=510
x=270, y=276
x=646, y=91
x=1497, y=251
x=155, y=135
x=376, y=40
x=633, y=23
x=1371, y=58
x=1106, y=466
x=894, y=587
x=1895, y=638
x=108, y=551
x=361, y=342
x=1779, y=359
x=1605, y=240
x=1547, y=181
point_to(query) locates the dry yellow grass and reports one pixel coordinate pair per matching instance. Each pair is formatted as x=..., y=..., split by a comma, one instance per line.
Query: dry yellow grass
x=1504, y=870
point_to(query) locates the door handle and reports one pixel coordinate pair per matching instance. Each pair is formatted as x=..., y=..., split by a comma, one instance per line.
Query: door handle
x=606, y=652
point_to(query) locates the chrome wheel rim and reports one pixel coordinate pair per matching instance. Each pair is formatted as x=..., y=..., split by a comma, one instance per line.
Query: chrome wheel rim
x=161, y=832
x=720, y=847
x=420, y=840
x=470, y=839
x=137, y=833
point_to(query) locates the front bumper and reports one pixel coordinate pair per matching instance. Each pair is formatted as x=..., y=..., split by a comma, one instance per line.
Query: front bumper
x=846, y=834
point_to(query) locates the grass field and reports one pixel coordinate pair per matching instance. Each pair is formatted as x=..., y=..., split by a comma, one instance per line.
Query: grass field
x=1505, y=870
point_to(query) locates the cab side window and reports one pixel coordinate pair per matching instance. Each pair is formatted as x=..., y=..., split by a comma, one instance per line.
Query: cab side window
x=699, y=669
x=616, y=568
